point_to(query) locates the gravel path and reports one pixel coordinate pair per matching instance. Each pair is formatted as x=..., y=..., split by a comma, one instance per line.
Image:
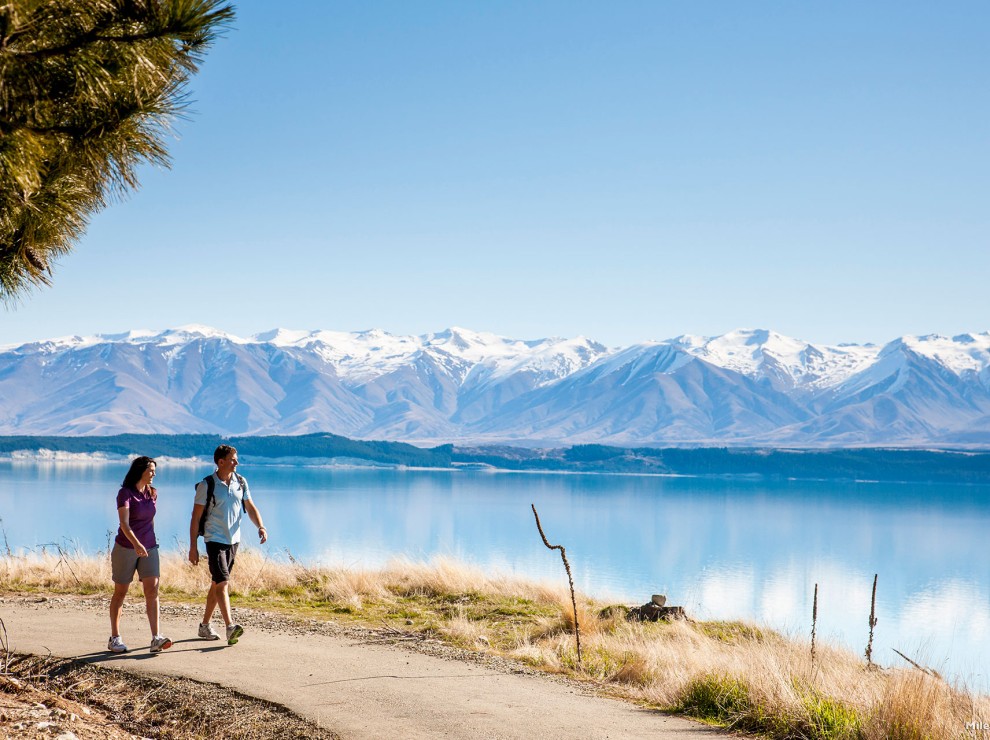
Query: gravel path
x=358, y=683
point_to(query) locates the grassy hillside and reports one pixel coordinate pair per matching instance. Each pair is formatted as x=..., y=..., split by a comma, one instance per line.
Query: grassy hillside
x=732, y=674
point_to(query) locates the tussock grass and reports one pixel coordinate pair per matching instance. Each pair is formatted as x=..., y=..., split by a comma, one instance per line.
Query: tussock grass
x=733, y=674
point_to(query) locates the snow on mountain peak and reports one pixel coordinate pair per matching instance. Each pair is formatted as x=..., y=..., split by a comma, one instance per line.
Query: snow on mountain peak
x=362, y=355
x=963, y=353
x=59, y=344
x=547, y=359
x=282, y=337
x=191, y=332
x=621, y=359
x=472, y=346
x=134, y=335
x=746, y=350
x=761, y=353
x=372, y=334
x=459, y=381
x=757, y=353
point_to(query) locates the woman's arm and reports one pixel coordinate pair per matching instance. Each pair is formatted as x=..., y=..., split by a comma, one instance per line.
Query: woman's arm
x=124, y=514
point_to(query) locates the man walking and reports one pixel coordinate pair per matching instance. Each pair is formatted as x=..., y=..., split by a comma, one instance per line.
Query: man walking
x=225, y=498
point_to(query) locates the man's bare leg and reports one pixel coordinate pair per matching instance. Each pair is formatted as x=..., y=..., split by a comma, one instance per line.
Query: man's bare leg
x=223, y=600
x=211, y=603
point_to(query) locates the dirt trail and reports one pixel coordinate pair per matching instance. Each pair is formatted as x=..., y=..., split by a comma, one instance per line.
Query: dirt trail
x=356, y=689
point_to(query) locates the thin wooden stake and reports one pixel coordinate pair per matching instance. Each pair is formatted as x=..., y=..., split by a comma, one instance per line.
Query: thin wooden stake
x=570, y=580
x=873, y=622
x=4, y=649
x=919, y=667
x=814, y=625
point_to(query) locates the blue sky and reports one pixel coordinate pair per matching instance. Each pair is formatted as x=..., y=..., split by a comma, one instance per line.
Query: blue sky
x=626, y=171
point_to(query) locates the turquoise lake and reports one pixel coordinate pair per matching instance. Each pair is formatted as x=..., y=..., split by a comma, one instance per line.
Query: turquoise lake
x=723, y=548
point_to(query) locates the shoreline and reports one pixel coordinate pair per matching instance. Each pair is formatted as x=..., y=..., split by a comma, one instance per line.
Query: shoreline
x=925, y=464
x=81, y=459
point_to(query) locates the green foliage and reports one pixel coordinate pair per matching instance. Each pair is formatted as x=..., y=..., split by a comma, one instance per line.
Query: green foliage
x=626, y=667
x=845, y=464
x=155, y=445
x=516, y=607
x=88, y=89
x=614, y=611
x=202, y=445
x=592, y=453
x=727, y=700
x=830, y=719
x=731, y=632
x=888, y=465
x=717, y=698
x=332, y=445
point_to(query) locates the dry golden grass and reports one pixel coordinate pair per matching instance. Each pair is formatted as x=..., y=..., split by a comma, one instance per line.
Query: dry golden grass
x=731, y=673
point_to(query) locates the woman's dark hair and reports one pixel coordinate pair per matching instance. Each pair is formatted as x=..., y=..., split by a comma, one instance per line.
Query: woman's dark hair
x=138, y=467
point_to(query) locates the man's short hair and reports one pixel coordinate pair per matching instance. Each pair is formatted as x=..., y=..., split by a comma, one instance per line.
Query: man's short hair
x=221, y=452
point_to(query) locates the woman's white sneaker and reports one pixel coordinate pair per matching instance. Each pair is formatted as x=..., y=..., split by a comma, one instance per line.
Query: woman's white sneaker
x=116, y=645
x=159, y=643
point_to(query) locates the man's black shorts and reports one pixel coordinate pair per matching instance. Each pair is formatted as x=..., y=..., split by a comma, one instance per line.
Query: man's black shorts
x=221, y=560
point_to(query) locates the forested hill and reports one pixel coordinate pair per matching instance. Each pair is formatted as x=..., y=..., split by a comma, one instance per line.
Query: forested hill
x=846, y=464
x=202, y=445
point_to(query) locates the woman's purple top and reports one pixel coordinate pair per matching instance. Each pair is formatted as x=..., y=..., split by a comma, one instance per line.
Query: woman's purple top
x=142, y=518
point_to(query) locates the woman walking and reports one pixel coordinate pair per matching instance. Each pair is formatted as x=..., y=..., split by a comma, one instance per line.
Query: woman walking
x=136, y=550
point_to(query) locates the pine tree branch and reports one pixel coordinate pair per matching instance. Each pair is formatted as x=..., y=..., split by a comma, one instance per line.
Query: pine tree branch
x=177, y=34
x=88, y=90
x=198, y=27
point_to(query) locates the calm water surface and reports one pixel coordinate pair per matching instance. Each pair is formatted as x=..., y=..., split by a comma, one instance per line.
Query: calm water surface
x=723, y=548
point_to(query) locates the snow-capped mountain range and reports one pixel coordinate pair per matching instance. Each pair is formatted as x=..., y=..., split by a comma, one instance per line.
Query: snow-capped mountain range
x=747, y=387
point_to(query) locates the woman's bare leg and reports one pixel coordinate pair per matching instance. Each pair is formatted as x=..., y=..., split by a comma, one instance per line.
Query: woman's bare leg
x=151, y=602
x=117, y=606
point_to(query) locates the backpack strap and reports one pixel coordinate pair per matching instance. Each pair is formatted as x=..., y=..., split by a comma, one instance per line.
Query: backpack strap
x=210, y=487
x=210, y=499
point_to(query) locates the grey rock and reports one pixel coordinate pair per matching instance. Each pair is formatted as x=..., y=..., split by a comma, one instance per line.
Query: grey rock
x=653, y=613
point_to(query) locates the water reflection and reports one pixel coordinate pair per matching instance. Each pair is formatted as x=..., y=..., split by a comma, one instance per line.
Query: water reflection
x=723, y=548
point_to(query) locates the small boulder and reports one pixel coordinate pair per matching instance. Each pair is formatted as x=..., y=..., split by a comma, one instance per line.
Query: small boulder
x=614, y=610
x=653, y=613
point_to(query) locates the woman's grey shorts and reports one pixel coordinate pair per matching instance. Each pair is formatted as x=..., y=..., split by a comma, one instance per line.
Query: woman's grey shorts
x=124, y=562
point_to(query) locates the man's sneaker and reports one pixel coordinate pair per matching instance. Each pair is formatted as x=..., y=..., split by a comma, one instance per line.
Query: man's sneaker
x=234, y=633
x=206, y=632
x=160, y=643
x=116, y=645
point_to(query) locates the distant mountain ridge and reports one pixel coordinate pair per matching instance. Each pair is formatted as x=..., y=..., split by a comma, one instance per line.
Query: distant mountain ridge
x=746, y=387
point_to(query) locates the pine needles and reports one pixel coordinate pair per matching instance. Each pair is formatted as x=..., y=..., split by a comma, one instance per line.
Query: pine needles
x=88, y=91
